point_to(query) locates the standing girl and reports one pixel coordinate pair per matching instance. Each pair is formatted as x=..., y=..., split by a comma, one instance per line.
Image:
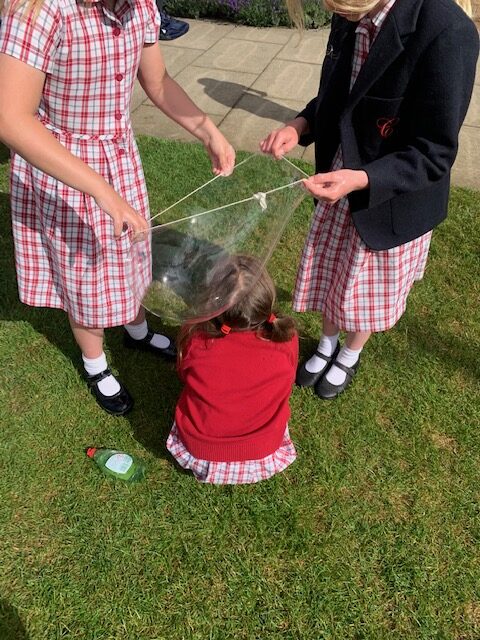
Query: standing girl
x=395, y=88
x=238, y=368
x=67, y=72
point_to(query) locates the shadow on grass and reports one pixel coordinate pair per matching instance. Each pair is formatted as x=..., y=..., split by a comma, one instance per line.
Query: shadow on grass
x=454, y=352
x=152, y=382
x=4, y=154
x=11, y=627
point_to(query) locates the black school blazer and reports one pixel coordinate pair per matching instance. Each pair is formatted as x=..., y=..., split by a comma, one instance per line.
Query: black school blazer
x=401, y=121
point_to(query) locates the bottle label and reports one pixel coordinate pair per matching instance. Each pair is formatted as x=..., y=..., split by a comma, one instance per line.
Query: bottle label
x=119, y=463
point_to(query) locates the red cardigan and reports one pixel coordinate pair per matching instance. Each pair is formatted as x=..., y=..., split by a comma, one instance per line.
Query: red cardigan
x=234, y=405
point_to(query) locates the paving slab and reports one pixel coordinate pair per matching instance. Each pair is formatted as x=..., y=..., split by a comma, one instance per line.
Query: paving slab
x=245, y=129
x=309, y=154
x=212, y=89
x=466, y=172
x=285, y=79
x=473, y=115
x=245, y=79
x=179, y=58
x=308, y=47
x=150, y=121
x=274, y=35
x=203, y=34
x=138, y=97
x=239, y=55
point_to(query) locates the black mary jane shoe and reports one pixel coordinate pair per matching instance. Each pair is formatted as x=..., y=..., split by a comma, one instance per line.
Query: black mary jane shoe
x=169, y=353
x=306, y=379
x=119, y=404
x=328, y=391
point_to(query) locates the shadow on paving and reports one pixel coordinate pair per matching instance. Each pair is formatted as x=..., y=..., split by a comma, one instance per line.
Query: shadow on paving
x=11, y=627
x=252, y=101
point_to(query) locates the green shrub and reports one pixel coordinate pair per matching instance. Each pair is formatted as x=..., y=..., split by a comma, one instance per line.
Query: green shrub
x=255, y=13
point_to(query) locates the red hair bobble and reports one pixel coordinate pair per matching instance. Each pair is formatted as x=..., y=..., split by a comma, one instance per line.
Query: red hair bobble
x=225, y=329
x=272, y=318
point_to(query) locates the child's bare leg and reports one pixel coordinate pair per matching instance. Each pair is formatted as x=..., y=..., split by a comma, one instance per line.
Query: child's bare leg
x=330, y=328
x=356, y=340
x=90, y=342
x=140, y=319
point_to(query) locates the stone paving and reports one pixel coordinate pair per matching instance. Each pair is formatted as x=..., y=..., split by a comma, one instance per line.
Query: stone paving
x=250, y=81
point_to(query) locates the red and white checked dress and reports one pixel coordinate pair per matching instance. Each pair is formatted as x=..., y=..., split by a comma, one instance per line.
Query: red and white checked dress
x=241, y=472
x=66, y=254
x=358, y=289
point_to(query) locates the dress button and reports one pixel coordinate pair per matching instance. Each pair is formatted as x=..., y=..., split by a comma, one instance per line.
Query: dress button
x=116, y=31
x=119, y=77
x=118, y=116
x=121, y=152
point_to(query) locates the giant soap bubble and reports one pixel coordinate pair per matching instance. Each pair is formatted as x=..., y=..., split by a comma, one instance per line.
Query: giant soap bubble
x=191, y=244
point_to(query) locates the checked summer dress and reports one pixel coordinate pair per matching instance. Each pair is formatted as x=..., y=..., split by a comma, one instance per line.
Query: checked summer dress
x=353, y=286
x=241, y=472
x=66, y=254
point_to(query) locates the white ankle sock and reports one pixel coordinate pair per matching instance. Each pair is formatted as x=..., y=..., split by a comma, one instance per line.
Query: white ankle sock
x=139, y=331
x=346, y=356
x=108, y=386
x=326, y=346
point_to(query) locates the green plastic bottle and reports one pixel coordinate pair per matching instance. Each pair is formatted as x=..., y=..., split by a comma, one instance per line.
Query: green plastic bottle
x=117, y=464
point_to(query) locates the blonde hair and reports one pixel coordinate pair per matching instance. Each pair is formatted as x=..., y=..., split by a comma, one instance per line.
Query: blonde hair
x=295, y=7
x=28, y=7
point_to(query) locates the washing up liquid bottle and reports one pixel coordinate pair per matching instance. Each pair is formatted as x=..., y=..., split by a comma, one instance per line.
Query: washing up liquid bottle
x=117, y=464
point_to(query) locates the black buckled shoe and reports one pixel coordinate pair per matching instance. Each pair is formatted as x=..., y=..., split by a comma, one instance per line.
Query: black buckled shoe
x=306, y=379
x=328, y=391
x=169, y=353
x=119, y=404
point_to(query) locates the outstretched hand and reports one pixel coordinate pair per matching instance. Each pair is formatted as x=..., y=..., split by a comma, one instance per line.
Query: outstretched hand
x=331, y=187
x=121, y=212
x=222, y=154
x=280, y=141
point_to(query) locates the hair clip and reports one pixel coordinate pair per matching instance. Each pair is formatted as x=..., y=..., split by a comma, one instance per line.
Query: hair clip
x=225, y=329
x=271, y=319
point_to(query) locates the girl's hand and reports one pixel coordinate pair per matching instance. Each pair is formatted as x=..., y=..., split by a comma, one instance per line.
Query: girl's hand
x=331, y=187
x=222, y=154
x=120, y=211
x=283, y=140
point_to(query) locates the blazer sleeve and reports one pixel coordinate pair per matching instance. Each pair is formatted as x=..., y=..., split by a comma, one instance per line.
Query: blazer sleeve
x=439, y=96
x=309, y=114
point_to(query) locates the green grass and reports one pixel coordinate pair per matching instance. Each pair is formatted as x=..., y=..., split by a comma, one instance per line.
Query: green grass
x=373, y=533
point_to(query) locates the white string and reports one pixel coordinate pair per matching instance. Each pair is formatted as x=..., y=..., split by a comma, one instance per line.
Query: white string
x=295, y=166
x=197, y=189
x=231, y=204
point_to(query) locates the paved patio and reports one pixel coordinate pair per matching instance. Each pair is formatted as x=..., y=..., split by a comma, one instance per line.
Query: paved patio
x=250, y=81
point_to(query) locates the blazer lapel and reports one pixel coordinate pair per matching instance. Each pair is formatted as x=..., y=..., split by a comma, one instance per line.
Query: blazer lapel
x=388, y=45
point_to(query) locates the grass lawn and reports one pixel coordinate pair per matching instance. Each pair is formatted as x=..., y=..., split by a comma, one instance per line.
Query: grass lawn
x=373, y=533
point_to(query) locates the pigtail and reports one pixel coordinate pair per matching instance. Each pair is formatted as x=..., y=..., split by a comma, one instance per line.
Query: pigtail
x=278, y=328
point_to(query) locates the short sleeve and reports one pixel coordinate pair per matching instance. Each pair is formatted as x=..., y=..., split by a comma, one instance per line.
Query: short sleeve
x=32, y=38
x=152, y=30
